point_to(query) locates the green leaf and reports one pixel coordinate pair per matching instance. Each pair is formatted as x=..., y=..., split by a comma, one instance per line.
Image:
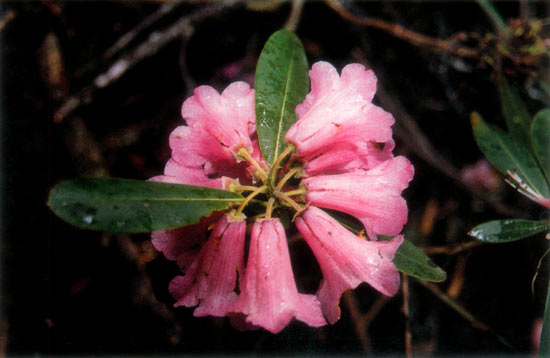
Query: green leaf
x=544, y=349
x=511, y=157
x=413, y=261
x=408, y=259
x=133, y=206
x=514, y=110
x=501, y=231
x=281, y=83
x=540, y=136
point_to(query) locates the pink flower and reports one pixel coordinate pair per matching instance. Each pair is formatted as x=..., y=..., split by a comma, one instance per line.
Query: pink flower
x=372, y=196
x=341, y=148
x=218, y=126
x=339, y=109
x=211, y=279
x=482, y=176
x=269, y=297
x=346, y=260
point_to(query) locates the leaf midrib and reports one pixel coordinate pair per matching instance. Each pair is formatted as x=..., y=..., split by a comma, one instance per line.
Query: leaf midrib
x=279, y=127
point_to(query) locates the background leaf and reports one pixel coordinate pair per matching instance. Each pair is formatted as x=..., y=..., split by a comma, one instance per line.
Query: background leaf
x=281, y=83
x=514, y=110
x=413, y=261
x=540, y=136
x=501, y=231
x=133, y=206
x=506, y=152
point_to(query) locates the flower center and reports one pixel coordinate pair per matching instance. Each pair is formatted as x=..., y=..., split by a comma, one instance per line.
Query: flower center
x=278, y=186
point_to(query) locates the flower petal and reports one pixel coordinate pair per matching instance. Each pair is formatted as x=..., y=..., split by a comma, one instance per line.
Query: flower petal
x=269, y=297
x=346, y=260
x=226, y=118
x=183, y=243
x=211, y=279
x=193, y=148
x=373, y=196
x=339, y=109
x=345, y=157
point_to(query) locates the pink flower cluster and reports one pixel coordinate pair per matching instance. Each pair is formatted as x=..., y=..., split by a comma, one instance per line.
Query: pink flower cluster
x=343, y=146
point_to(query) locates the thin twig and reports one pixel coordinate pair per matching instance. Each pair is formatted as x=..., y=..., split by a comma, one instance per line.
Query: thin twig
x=8, y=16
x=427, y=42
x=155, y=42
x=461, y=310
x=125, y=40
x=451, y=249
x=457, y=282
x=357, y=319
x=361, y=322
x=406, y=313
x=295, y=15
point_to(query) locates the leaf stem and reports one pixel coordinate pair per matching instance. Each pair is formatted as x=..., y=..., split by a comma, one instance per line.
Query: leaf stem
x=287, y=176
x=261, y=172
x=258, y=190
x=493, y=14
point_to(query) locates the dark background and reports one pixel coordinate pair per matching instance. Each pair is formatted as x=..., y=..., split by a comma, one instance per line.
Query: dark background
x=68, y=291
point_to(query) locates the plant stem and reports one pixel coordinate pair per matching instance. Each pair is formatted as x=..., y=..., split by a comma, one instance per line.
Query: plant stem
x=493, y=14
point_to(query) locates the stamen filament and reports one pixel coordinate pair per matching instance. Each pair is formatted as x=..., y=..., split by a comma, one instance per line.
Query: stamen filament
x=291, y=202
x=288, y=175
x=258, y=190
x=244, y=153
x=298, y=191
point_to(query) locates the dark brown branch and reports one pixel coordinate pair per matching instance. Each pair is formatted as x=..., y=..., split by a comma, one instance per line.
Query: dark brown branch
x=406, y=313
x=8, y=16
x=156, y=41
x=362, y=321
x=124, y=41
x=451, y=250
x=420, y=40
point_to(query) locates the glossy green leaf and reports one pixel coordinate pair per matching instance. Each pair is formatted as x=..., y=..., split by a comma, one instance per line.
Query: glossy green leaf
x=501, y=231
x=281, y=83
x=413, y=261
x=132, y=206
x=509, y=154
x=514, y=110
x=544, y=349
x=540, y=136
